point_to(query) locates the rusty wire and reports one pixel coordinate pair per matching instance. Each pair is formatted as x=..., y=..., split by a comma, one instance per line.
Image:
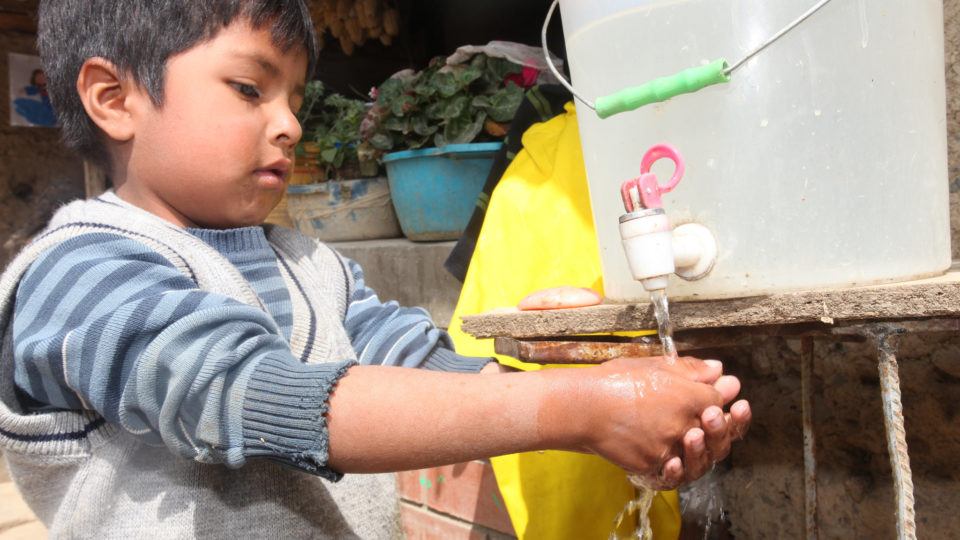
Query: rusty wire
x=809, y=439
x=885, y=337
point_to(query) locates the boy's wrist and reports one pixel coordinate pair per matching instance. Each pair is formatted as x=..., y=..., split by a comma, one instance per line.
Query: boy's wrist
x=564, y=413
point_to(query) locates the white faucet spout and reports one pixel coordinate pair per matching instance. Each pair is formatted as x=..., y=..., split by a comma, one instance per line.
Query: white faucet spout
x=694, y=251
x=654, y=251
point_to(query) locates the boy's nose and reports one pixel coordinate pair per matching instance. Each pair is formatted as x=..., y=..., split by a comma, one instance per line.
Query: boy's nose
x=286, y=129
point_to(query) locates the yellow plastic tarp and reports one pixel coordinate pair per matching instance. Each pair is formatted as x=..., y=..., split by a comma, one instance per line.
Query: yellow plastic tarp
x=538, y=233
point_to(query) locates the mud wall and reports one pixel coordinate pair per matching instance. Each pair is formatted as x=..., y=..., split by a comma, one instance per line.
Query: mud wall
x=37, y=173
x=761, y=487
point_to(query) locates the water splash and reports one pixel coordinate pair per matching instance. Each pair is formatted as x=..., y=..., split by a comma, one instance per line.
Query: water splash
x=639, y=506
x=702, y=505
x=702, y=494
x=661, y=310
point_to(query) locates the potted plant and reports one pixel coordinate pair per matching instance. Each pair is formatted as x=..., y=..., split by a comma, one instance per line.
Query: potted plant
x=336, y=193
x=437, y=131
x=329, y=146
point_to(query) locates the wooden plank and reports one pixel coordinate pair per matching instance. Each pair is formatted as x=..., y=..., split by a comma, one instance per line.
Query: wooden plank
x=921, y=299
x=17, y=22
x=573, y=352
x=596, y=351
x=94, y=179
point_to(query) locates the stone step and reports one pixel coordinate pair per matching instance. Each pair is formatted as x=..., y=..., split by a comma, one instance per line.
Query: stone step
x=411, y=273
x=16, y=520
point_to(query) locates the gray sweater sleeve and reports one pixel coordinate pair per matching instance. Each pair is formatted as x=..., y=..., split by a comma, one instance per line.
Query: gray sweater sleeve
x=103, y=323
x=388, y=334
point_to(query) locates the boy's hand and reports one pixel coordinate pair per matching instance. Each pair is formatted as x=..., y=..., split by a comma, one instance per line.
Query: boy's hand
x=645, y=413
x=705, y=446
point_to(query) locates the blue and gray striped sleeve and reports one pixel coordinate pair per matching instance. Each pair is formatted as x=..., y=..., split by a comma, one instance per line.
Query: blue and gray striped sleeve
x=388, y=334
x=104, y=323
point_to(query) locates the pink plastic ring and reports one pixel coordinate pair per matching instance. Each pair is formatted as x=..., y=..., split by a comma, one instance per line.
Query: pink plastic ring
x=661, y=151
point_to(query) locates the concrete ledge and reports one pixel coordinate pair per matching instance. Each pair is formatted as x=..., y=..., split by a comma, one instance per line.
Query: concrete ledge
x=411, y=273
x=920, y=299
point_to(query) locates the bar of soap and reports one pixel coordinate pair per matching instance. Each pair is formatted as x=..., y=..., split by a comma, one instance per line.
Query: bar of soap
x=560, y=298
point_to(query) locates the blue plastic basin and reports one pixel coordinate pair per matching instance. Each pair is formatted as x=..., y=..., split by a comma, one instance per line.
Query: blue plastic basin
x=434, y=190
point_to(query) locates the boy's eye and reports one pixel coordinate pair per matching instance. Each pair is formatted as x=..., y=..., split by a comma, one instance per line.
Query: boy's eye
x=247, y=90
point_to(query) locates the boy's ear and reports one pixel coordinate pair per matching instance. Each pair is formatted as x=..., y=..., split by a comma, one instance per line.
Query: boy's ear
x=108, y=98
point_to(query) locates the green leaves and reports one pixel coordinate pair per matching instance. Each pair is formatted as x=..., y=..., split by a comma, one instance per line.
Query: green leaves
x=454, y=108
x=480, y=102
x=329, y=155
x=403, y=104
x=382, y=141
x=310, y=114
x=396, y=123
x=425, y=89
x=446, y=84
x=390, y=90
x=442, y=104
x=504, y=103
x=498, y=68
x=422, y=127
x=332, y=122
x=465, y=75
x=463, y=129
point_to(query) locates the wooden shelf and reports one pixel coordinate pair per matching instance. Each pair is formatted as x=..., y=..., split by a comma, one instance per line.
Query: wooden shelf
x=937, y=297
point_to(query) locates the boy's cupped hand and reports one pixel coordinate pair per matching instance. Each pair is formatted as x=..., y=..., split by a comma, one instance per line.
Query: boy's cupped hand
x=661, y=420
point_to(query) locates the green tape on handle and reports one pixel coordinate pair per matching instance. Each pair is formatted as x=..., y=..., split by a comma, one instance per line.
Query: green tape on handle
x=662, y=89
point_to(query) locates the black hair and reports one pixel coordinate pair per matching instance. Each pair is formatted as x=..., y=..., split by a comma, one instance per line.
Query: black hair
x=33, y=76
x=138, y=37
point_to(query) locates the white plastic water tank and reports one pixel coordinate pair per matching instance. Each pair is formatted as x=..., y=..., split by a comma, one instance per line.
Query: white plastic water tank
x=821, y=164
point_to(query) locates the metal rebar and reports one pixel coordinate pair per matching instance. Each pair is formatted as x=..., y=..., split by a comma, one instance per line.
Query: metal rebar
x=896, y=434
x=809, y=439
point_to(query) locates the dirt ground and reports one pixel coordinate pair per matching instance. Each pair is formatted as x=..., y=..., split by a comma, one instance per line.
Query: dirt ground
x=17, y=522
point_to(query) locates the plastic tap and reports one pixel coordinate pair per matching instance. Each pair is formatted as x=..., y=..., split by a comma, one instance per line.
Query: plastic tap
x=654, y=249
x=645, y=188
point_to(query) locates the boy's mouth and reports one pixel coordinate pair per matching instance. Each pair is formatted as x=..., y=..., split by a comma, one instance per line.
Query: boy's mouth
x=275, y=174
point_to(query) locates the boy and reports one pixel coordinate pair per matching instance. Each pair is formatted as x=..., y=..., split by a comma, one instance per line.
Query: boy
x=159, y=332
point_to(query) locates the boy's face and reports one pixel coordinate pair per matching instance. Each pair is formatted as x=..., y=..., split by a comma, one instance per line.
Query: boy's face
x=218, y=152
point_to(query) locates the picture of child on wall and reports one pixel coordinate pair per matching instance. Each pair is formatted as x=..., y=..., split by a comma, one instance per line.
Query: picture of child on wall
x=29, y=102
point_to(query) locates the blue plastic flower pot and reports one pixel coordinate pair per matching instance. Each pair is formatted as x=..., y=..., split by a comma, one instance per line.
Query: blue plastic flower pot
x=434, y=190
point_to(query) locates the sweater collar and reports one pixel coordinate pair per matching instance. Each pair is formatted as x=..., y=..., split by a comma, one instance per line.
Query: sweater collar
x=245, y=239
x=223, y=240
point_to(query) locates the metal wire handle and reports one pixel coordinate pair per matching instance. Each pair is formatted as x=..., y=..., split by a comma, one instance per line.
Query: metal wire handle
x=726, y=71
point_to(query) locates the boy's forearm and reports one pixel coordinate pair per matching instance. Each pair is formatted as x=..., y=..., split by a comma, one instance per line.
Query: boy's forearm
x=388, y=419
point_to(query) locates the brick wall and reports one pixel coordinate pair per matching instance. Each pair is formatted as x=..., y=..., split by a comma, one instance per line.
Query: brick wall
x=454, y=502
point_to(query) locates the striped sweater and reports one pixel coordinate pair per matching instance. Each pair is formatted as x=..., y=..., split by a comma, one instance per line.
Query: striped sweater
x=93, y=304
x=219, y=349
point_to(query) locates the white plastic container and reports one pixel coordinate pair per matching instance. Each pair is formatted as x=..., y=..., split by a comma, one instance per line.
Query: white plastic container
x=821, y=164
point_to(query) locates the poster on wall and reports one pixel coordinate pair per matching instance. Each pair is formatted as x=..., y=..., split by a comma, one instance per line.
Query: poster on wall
x=29, y=103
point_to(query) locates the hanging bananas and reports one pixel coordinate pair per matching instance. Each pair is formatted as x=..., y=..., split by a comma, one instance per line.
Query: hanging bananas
x=353, y=22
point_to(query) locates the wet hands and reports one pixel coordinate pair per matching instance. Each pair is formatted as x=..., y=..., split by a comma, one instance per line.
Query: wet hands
x=710, y=443
x=664, y=421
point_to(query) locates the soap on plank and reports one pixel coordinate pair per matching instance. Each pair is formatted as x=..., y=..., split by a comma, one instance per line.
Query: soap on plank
x=560, y=298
